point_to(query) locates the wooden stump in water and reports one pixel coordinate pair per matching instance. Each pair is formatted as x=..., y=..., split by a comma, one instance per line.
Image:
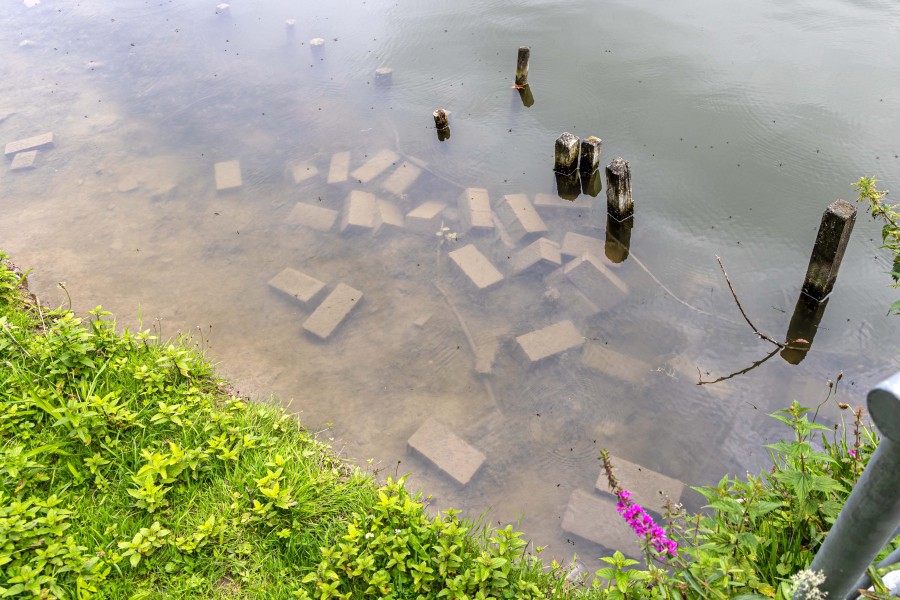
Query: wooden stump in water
x=441, y=119
x=565, y=158
x=590, y=154
x=384, y=76
x=619, y=202
x=828, y=251
x=522, y=65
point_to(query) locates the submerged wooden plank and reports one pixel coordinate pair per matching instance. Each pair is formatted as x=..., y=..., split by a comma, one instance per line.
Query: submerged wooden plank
x=302, y=172
x=540, y=252
x=575, y=244
x=447, y=451
x=649, y=488
x=313, y=216
x=475, y=210
x=23, y=160
x=300, y=286
x=615, y=364
x=426, y=218
x=339, y=168
x=332, y=311
x=594, y=518
x=400, y=180
x=519, y=217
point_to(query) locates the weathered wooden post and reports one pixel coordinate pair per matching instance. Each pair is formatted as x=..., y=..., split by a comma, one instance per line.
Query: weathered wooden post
x=565, y=158
x=618, y=239
x=442, y=124
x=526, y=96
x=568, y=185
x=619, y=202
x=590, y=154
x=522, y=66
x=803, y=328
x=828, y=251
x=384, y=76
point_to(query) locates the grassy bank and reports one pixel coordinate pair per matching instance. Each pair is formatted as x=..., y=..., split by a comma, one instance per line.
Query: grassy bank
x=128, y=470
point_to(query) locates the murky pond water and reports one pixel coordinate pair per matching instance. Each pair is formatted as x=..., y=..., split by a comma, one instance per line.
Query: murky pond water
x=741, y=123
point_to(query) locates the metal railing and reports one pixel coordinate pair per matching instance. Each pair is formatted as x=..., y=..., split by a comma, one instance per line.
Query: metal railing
x=870, y=518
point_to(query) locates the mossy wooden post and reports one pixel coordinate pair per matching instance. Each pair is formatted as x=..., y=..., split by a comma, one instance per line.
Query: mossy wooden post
x=590, y=154
x=619, y=202
x=442, y=124
x=522, y=66
x=828, y=251
x=565, y=158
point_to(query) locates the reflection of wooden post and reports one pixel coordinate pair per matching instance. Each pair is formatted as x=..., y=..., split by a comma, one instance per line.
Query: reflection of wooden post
x=522, y=65
x=592, y=184
x=618, y=238
x=803, y=328
x=565, y=159
x=384, y=76
x=831, y=241
x=590, y=154
x=619, y=202
x=568, y=185
x=526, y=96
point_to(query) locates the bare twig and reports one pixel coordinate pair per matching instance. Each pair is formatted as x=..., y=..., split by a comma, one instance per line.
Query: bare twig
x=759, y=334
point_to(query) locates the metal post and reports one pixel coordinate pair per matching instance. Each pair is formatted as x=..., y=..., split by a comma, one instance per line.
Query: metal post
x=872, y=512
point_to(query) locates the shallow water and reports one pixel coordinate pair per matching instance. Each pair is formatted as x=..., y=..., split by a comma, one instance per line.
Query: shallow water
x=741, y=124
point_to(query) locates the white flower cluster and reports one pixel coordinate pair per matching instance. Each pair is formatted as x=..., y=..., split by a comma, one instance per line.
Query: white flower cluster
x=806, y=584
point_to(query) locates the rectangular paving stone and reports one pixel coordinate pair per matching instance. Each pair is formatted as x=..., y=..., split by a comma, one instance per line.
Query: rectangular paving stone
x=550, y=340
x=649, y=488
x=540, y=253
x=594, y=518
x=601, y=286
x=447, y=451
x=426, y=218
x=476, y=266
x=399, y=181
x=475, y=210
x=375, y=166
x=575, y=244
x=519, y=217
x=228, y=175
x=554, y=202
x=389, y=214
x=313, y=216
x=339, y=168
x=601, y=357
x=302, y=172
x=297, y=285
x=332, y=311
x=38, y=142
x=360, y=212
x=23, y=160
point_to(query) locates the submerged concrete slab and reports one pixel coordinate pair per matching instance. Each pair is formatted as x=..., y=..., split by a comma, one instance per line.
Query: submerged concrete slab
x=550, y=340
x=228, y=175
x=575, y=244
x=302, y=172
x=594, y=518
x=339, y=168
x=600, y=285
x=649, y=488
x=313, y=216
x=23, y=160
x=476, y=266
x=360, y=212
x=540, y=253
x=475, y=210
x=400, y=180
x=447, y=451
x=601, y=357
x=519, y=217
x=426, y=218
x=297, y=285
x=332, y=311
x=552, y=202
x=38, y=142
x=375, y=166
x=389, y=214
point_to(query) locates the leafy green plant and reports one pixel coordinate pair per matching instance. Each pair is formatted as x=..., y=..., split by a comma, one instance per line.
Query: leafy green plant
x=890, y=231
